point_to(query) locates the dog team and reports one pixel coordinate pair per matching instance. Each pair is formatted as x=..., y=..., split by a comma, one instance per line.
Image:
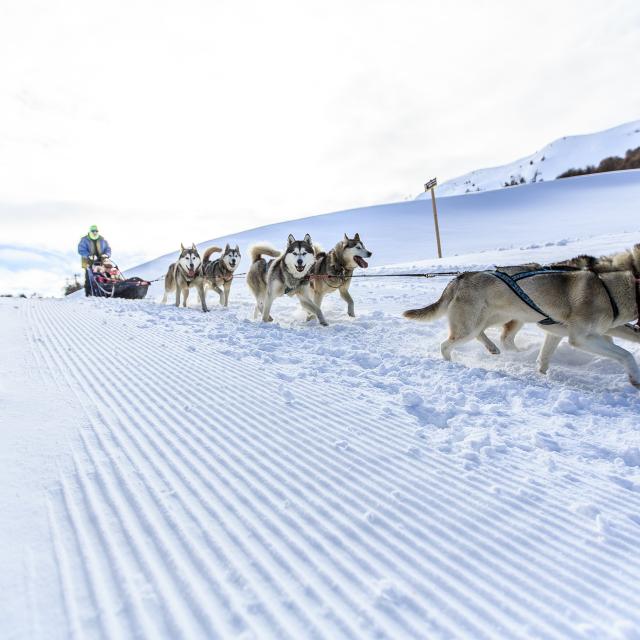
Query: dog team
x=588, y=300
x=303, y=269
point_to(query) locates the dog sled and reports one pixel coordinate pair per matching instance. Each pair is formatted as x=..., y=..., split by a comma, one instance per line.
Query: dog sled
x=104, y=280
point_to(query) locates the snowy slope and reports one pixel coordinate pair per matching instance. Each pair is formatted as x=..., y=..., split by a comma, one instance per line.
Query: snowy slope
x=400, y=232
x=549, y=162
x=189, y=475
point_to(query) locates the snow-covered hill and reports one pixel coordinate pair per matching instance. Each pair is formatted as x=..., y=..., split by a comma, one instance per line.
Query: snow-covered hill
x=549, y=162
x=168, y=474
x=401, y=232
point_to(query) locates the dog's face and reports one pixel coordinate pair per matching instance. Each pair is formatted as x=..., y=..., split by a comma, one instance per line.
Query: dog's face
x=189, y=260
x=231, y=257
x=354, y=252
x=299, y=256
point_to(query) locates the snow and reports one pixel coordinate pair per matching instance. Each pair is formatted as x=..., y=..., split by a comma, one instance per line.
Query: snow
x=173, y=474
x=531, y=215
x=569, y=152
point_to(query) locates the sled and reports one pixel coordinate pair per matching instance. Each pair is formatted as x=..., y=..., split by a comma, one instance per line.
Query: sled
x=109, y=282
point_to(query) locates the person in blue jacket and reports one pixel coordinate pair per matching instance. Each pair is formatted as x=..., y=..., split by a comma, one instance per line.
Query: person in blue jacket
x=93, y=246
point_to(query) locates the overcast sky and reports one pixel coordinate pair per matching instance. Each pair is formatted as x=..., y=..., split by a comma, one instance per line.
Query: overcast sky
x=176, y=120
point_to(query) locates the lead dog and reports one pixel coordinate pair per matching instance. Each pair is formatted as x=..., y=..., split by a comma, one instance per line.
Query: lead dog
x=286, y=274
x=333, y=269
x=183, y=274
x=581, y=303
x=220, y=271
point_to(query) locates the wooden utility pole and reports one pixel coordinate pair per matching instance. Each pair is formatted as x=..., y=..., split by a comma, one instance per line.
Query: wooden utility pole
x=431, y=186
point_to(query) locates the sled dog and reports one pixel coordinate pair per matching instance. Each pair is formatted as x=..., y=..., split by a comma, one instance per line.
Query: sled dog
x=511, y=328
x=183, y=274
x=335, y=268
x=287, y=274
x=219, y=272
x=587, y=306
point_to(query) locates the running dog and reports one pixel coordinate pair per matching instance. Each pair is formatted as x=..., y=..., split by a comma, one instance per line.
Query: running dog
x=287, y=274
x=511, y=328
x=220, y=271
x=587, y=306
x=184, y=274
x=333, y=269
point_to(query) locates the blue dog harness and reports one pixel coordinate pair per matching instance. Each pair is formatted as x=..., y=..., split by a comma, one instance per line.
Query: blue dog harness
x=512, y=283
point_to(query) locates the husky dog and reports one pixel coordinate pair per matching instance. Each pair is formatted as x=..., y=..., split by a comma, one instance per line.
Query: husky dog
x=257, y=274
x=184, y=274
x=586, y=305
x=333, y=269
x=584, y=262
x=220, y=271
x=287, y=274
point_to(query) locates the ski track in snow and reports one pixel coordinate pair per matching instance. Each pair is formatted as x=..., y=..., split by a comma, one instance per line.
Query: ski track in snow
x=234, y=479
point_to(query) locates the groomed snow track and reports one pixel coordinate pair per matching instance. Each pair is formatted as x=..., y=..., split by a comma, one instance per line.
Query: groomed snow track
x=236, y=480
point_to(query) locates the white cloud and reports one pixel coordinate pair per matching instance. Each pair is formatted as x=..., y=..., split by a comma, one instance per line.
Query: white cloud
x=181, y=120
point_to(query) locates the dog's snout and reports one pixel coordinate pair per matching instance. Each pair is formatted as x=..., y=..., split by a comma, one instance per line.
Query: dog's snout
x=369, y=254
x=300, y=261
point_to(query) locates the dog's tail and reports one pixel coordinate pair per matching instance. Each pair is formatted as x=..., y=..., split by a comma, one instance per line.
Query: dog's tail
x=207, y=254
x=437, y=309
x=318, y=251
x=258, y=250
x=169, y=280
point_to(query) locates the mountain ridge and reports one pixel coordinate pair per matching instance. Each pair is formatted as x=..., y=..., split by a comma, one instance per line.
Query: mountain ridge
x=547, y=163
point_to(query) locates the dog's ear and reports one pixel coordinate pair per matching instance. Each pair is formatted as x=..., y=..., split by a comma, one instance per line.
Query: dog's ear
x=237, y=249
x=226, y=249
x=290, y=239
x=345, y=239
x=357, y=237
x=181, y=247
x=193, y=246
x=307, y=239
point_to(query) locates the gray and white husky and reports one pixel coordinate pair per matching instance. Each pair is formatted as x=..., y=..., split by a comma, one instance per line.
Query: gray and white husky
x=333, y=269
x=581, y=262
x=287, y=274
x=183, y=274
x=219, y=272
x=589, y=307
